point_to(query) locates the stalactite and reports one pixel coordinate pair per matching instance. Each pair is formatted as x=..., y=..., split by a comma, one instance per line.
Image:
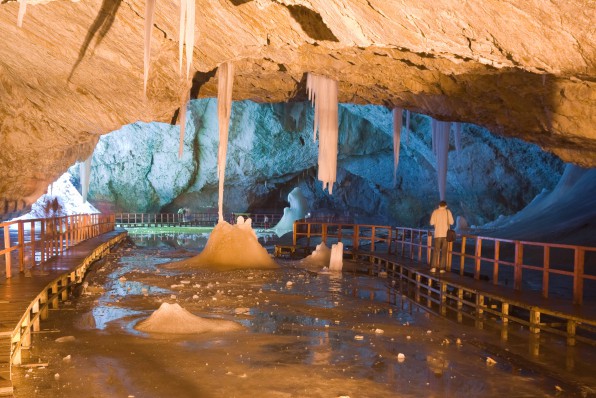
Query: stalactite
x=407, y=127
x=397, y=122
x=433, y=129
x=149, y=12
x=457, y=136
x=181, y=34
x=85, y=175
x=186, y=33
x=441, y=139
x=224, y=109
x=22, y=11
x=323, y=91
x=183, y=103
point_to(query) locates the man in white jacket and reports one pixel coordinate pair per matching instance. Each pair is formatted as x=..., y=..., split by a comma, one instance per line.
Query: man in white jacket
x=441, y=219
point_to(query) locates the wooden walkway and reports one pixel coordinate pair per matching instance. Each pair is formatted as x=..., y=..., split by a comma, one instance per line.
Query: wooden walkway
x=26, y=299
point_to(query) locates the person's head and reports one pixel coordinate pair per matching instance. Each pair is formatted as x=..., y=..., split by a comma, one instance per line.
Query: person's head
x=442, y=204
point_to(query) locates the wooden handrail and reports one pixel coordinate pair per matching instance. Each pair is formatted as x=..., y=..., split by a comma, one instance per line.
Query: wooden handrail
x=49, y=237
x=262, y=220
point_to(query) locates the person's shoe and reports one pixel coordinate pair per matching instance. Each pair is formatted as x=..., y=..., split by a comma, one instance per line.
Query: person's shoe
x=433, y=270
x=442, y=271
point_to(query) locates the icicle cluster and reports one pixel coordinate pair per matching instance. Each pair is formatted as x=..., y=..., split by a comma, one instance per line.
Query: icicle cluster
x=440, y=142
x=322, y=91
x=149, y=12
x=22, y=11
x=224, y=109
x=397, y=123
x=85, y=172
x=187, y=33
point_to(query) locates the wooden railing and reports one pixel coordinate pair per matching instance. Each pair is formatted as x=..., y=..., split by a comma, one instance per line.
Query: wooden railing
x=35, y=241
x=259, y=220
x=501, y=261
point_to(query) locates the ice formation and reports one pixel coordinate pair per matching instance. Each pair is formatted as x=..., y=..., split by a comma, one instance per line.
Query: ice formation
x=397, y=122
x=85, y=175
x=186, y=33
x=322, y=91
x=337, y=257
x=171, y=318
x=230, y=247
x=184, y=101
x=22, y=11
x=224, y=109
x=457, y=137
x=296, y=211
x=320, y=257
x=440, y=134
x=149, y=12
x=407, y=126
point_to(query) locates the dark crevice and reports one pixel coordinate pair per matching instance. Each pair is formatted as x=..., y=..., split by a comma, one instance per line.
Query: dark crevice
x=311, y=22
x=239, y=2
x=198, y=80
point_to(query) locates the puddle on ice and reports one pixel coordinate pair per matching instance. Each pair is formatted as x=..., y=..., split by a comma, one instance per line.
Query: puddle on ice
x=303, y=334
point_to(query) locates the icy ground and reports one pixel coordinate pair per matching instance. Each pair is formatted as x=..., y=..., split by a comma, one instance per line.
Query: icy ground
x=303, y=334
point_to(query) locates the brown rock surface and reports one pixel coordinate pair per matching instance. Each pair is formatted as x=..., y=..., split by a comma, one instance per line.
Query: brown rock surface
x=75, y=69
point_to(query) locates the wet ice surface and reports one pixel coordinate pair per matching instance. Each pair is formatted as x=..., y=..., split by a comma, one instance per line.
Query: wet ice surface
x=305, y=334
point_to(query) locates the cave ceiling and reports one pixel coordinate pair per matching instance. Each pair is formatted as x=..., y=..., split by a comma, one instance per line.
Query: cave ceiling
x=74, y=70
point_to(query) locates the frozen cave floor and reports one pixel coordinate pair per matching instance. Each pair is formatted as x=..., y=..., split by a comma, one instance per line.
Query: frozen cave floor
x=304, y=334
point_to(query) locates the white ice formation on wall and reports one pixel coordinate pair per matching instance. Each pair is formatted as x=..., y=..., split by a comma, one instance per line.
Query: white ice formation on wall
x=296, y=211
x=322, y=92
x=224, y=109
x=85, y=172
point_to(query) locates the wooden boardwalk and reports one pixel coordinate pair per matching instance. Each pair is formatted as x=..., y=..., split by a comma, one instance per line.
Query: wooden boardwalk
x=25, y=299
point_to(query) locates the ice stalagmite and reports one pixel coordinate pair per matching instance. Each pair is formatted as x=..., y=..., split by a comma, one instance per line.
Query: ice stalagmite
x=85, y=172
x=397, y=121
x=322, y=91
x=149, y=12
x=441, y=134
x=224, y=109
x=22, y=11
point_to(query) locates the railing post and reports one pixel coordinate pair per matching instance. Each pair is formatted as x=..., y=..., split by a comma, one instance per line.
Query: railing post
x=429, y=247
x=372, y=239
x=477, y=256
x=8, y=254
x=324, y=233
x=496, y=262
x=578, y=276
x=294, y=237
x=21, y=246
x=462, y=258
x=356, y=237
x=519, y=260
x=545, y=271
x=32, y=237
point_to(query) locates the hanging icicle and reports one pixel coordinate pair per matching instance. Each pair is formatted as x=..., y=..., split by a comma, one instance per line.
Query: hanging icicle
x=457, y=136
x=149, y=12
x=186, y=33
x=433, y=129
x=441, y=143
x=224, y=109
x=323, y=91
x=85, y=172
x=22, y=11
x=397, y=122
x=407, y=127
x=183, y=103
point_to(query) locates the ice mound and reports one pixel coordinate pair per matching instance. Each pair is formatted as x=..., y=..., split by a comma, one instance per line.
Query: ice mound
x=319, y=257
x=171, y=318
x=230, y=247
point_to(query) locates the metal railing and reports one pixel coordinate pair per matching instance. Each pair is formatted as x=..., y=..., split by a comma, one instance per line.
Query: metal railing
x=259, y=220
x=500, y=261
x=35, y=241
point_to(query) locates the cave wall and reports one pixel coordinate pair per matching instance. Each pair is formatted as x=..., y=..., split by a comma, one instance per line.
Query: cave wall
x=271, y=150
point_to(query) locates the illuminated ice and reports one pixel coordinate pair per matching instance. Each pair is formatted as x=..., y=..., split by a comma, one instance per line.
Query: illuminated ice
x=337, y=257
x=230, y=247
x=171, y=318
x=321, y=256
x=296, y=211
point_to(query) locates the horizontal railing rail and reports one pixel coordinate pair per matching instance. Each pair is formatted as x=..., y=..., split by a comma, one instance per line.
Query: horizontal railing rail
x=209, y=219
x=500, y=261
x=35, y=241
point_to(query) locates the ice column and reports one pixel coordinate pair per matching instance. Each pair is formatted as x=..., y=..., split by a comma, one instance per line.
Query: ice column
x=441, y=145
x=183, y=100
x=85, y=172
x=224, y=109
x=187, y=33
x=149, y=12
x=337, y=257
x=397, y=121
x=22, y=11
x=322, y=91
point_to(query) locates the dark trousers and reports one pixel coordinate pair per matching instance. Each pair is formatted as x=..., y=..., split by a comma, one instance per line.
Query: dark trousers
x=439, y=253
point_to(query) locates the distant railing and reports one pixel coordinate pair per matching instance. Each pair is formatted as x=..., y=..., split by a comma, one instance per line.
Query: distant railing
x=259, y=220
x=499, y=260
x=35, y=241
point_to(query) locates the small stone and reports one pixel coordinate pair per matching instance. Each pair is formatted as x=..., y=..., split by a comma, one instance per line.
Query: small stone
x=401, y=357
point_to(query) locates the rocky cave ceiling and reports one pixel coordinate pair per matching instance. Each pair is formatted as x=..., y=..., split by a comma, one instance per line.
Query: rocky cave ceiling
x=74, y=70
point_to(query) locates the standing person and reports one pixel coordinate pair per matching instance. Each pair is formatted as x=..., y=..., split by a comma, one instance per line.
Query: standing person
x=441, y=219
